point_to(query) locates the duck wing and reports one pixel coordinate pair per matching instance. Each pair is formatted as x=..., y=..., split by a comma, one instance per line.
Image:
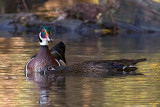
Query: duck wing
x=126, y=62
x=58, y=51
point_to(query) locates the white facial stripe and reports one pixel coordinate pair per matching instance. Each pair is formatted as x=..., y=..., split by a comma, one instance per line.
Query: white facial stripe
x=44, y=40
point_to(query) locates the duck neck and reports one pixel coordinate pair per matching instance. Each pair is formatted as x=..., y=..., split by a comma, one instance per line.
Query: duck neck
x=43, y=50
x=44, y=47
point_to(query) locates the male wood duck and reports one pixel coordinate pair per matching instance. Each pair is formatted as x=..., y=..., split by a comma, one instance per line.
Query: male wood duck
x=53, y=57
x=96, y=68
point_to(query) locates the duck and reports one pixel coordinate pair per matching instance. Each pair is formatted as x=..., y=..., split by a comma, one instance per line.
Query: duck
x=53, y=57
x=95, y=68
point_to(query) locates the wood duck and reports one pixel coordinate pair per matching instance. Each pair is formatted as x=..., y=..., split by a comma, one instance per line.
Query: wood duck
x=99, y=68
x=53, y=57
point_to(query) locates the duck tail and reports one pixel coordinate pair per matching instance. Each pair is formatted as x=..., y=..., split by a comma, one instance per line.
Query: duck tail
x=140, y=60
x=131, y=67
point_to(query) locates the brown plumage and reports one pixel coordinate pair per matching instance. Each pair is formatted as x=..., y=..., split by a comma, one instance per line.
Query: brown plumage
x=99, y=68
x=42, y=59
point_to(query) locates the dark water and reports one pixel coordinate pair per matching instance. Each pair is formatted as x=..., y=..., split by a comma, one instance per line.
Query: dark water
x=143, y=90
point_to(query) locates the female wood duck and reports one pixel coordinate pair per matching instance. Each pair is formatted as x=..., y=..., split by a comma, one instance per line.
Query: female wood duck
x=53, y=57
x=99, y=68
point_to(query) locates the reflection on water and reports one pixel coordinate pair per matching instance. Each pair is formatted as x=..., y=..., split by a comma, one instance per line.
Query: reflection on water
x=142, y=90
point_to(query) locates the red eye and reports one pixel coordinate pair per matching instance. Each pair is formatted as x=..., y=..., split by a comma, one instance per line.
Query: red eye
x=43, y=30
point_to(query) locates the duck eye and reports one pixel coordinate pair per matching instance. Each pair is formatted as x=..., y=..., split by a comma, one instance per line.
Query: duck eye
x=43, y=30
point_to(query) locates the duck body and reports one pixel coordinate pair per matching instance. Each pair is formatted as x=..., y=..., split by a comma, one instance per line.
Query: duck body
x=42, y=59
x=53, y=57
x=95, y=68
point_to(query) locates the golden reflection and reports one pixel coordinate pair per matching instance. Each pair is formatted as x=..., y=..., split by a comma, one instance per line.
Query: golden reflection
x=14, y=90
x=17, y=41
x=158, y=1
x=11, y=54
x=86, y=95
x=139, y=90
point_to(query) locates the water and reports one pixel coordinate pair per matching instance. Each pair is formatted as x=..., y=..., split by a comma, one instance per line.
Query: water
x=129, y=91
x=143, y=90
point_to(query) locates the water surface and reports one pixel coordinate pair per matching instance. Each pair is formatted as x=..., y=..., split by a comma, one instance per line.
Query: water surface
x=142, y=90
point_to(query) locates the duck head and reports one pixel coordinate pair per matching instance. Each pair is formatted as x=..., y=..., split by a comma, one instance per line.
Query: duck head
x=45, y=35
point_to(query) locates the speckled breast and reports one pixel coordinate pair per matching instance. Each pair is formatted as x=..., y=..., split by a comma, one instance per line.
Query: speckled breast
x=37, y=63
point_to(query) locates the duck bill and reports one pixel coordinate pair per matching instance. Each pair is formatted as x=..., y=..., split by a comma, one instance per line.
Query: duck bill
x=48, y=37
x=50, y=40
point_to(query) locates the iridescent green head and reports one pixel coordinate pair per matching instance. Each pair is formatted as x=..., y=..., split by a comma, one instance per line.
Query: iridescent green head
x=45, y=35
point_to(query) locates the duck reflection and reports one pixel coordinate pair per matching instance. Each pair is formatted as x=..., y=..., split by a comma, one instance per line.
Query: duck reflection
x=45, y=84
